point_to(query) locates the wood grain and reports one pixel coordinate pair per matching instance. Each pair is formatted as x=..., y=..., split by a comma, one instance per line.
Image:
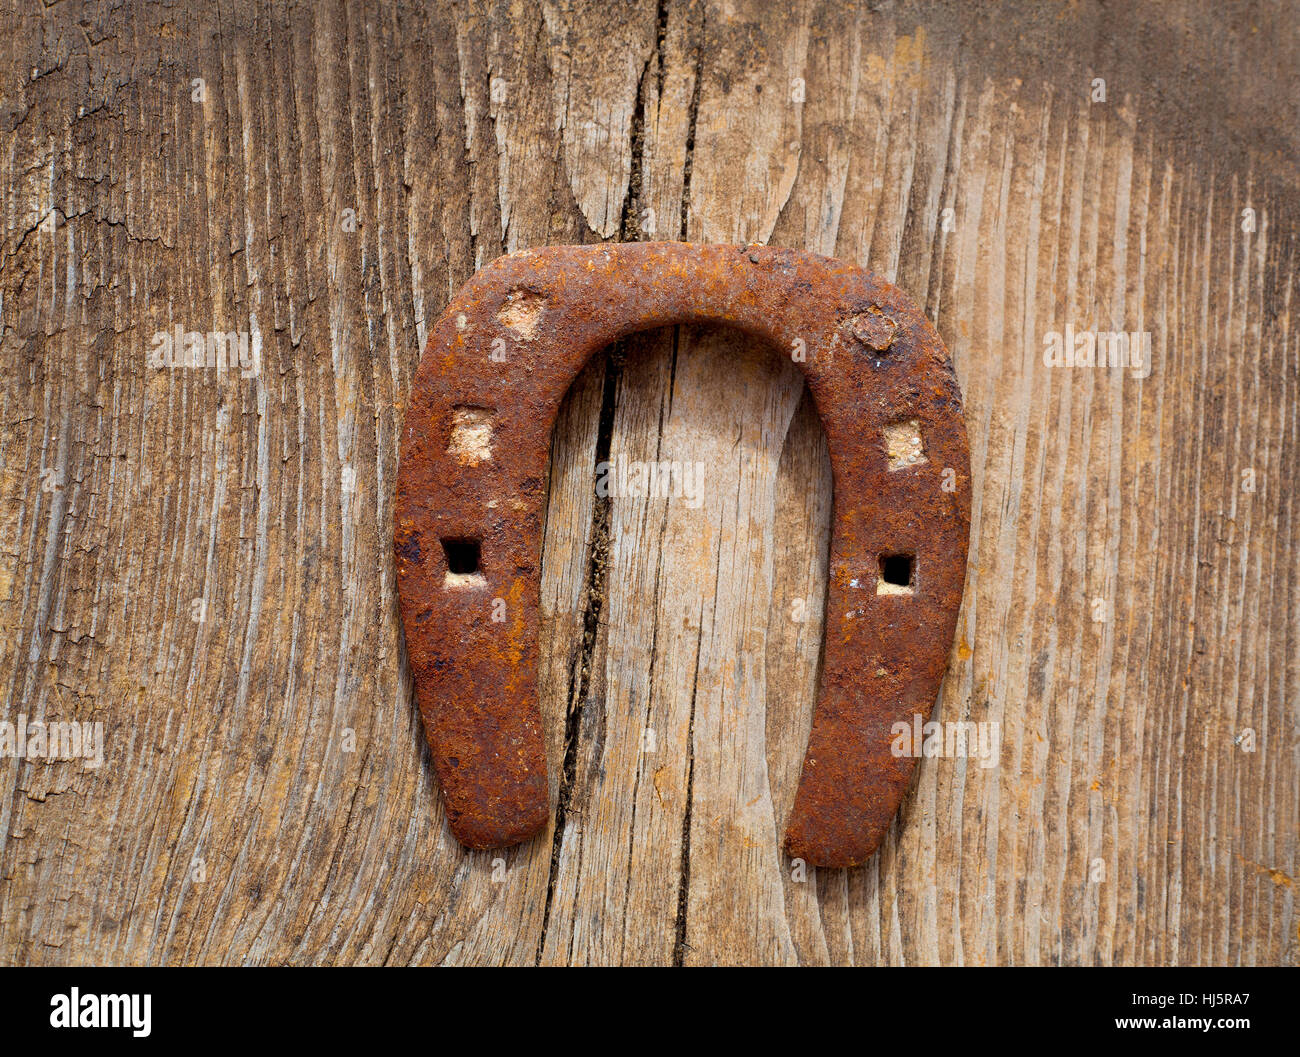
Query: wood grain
x=201, y=561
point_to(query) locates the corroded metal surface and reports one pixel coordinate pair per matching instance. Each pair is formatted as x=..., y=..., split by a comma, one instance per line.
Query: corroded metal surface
x=471, y=495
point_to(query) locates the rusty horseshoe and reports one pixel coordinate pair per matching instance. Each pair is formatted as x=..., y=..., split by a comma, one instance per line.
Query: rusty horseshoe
x=471, y=493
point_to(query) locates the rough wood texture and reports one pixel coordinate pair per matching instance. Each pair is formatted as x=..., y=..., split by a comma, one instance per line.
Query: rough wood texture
x=201, y=561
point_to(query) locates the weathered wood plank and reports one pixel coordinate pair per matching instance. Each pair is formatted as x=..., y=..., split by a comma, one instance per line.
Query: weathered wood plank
x=200, y=561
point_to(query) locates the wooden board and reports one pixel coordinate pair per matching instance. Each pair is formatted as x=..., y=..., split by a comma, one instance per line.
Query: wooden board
x=201, y=561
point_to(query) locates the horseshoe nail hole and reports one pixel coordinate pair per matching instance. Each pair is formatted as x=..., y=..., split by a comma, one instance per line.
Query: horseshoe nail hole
x=903, y=444
x=870, y=331
x=521, y=312
x=896, y=574
x=462, y=564
x=471, y=435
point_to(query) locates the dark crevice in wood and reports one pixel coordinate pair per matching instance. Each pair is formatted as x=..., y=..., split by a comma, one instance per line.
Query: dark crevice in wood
x=597, y=564
x=580, y=675
x=684, y=885
x=629, y=223
x=690, y=132
x=672, y=373
x=661, y=34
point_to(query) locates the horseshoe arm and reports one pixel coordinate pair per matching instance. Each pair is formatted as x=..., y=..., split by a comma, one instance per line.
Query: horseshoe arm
x=470, y=496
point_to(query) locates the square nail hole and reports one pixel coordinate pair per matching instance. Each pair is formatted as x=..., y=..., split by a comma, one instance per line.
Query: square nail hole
x=897, y=574
x=462, y=563
x=903, y=445
x=471, y=435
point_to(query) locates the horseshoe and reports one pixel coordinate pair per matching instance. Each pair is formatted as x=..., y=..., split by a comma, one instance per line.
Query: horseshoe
x=471, y=491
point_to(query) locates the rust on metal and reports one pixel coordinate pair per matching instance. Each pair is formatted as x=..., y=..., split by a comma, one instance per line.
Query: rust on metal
x=471, y=496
